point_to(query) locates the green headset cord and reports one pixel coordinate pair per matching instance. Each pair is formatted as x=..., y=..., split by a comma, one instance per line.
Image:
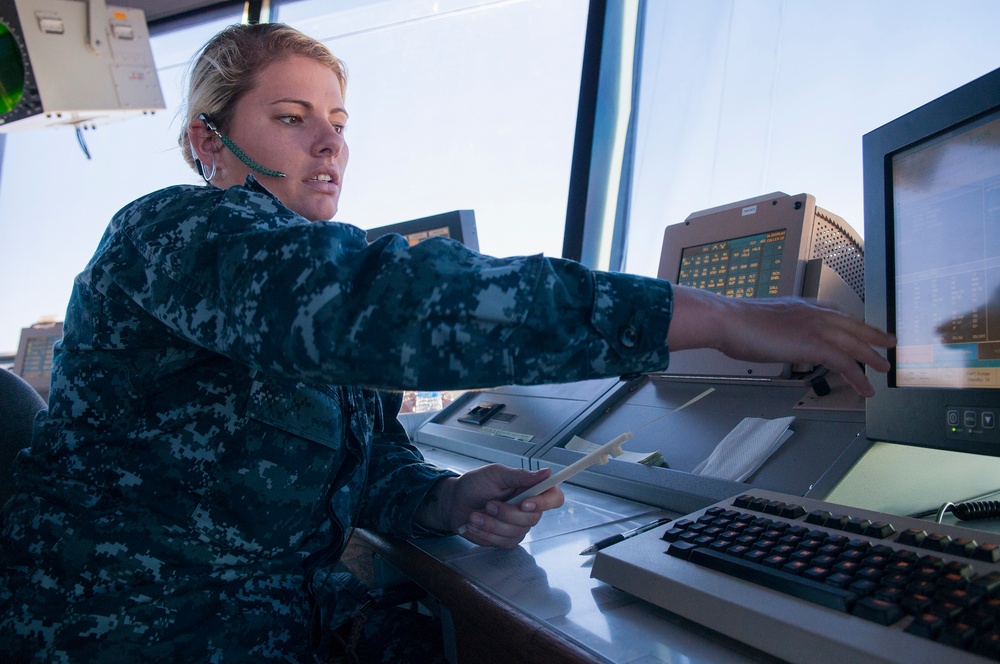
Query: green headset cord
x=242, y=156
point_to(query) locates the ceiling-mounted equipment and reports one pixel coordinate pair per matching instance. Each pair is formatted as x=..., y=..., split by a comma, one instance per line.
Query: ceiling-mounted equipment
x=74, y=63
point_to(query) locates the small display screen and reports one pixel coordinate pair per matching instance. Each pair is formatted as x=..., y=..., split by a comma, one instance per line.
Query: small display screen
x=743, y=267
x=38, y=358
x=946, y=221
x=11, y=71
x=420, y=236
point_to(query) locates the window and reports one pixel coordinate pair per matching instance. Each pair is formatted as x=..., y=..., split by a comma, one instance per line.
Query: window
x=454, y=104
x=741, y=99
x=458, y=104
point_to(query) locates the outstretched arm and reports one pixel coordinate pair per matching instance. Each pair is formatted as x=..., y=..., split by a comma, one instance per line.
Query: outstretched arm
x=779, y=330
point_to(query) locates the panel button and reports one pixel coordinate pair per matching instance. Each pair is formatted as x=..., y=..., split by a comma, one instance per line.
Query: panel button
x=970, y=419
x=989, y=419
x=953, y=417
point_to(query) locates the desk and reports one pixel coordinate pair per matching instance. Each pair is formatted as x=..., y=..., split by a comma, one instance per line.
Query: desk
x=537, y=602
x=476, y=615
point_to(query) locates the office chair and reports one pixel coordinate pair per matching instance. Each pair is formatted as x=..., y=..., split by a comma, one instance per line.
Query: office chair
x=19, y=403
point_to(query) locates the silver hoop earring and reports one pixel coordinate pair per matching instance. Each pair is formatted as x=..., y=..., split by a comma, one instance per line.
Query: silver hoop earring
x=201, y=169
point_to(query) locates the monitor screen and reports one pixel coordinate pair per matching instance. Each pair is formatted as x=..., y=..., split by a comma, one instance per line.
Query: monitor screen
x=747, y=266
x=932, y=227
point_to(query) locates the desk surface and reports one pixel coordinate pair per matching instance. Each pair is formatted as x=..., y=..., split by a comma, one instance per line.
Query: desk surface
x=539, y=597
x=537, y=602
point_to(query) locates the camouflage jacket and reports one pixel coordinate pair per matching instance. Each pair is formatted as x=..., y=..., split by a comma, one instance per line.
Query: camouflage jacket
x=214, y=429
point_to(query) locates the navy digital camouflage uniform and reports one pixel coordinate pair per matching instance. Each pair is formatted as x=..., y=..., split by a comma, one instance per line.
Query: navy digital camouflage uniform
x=214, y=428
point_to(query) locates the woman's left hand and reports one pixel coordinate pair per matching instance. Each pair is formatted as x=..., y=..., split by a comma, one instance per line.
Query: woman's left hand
x=476, y=500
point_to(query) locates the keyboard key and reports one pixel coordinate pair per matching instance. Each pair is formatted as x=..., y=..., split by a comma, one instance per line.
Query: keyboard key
x=879, y=529
x=916, y=604
x=894, y=595
x=983, y=622
x=818, y=517
x=962, y=546
x=936, y=542
x=987, y=552
x=774, y=507
x=987, y=585
x=720, y=545
x=958, y=635
x=839, y=579
x=803, y=588
x=816, y=573
x=775, y=562
x=682, y=549
x=911, y=537
x=863, y=587
x=878, y=610
x=895, y=580
x=854, y=556
x=987, y=645
x=958, y=597
x=869, y=573
x=926, y=625
x=947, y=610
x=792, y=511
x=857, y=525
x=964, y=569
x=796, y=567
x=953, y=582
x=672, y=534
x=838, y=521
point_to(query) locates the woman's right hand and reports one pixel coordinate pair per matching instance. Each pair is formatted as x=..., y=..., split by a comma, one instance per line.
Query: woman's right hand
x=778, y=330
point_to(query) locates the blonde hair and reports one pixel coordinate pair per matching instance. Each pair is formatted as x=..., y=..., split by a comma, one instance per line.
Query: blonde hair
x=227, y=66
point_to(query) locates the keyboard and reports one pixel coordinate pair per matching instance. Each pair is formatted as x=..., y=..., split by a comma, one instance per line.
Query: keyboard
x=811, y=581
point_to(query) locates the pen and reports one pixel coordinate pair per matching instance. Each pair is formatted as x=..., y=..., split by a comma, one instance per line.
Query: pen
x=620, y=537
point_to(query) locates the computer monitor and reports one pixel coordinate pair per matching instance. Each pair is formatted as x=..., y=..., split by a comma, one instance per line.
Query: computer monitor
x=932, y=228
x=458, y=225
x=770, y=246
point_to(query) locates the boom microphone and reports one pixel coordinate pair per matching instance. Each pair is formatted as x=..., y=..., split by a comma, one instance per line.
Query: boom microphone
x=240, y=154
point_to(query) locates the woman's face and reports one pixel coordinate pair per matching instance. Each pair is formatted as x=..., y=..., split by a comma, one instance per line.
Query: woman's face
x=292, y=121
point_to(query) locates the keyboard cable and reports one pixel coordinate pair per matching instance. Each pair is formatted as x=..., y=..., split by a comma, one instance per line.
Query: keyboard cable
x=968, y=510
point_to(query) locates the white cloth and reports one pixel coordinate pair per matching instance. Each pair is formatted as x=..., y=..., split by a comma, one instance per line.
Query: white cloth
x=745, y=448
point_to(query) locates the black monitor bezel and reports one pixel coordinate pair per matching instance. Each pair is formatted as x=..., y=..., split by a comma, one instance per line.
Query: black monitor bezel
x=461, y=225
x=915, y=415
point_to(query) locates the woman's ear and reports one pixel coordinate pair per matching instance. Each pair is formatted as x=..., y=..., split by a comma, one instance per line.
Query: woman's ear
x=204, y=142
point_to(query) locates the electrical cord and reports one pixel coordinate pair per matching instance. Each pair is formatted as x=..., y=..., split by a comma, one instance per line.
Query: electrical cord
x=971, y=510
x=983, y=506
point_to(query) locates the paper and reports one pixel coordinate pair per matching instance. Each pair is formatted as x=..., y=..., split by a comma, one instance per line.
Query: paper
x=578, y=444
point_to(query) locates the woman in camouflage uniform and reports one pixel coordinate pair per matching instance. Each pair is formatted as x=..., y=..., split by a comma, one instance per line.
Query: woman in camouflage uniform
x=214, y=429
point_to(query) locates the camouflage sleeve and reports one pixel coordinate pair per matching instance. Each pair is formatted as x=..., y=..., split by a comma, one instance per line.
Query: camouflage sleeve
x=398, y=478
x=251, y=280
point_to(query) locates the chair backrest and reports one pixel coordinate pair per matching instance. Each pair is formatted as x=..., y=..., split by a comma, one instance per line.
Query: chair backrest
x=19, y=403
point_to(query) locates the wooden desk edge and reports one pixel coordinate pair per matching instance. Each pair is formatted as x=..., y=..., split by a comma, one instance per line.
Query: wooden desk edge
x=487, y=628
